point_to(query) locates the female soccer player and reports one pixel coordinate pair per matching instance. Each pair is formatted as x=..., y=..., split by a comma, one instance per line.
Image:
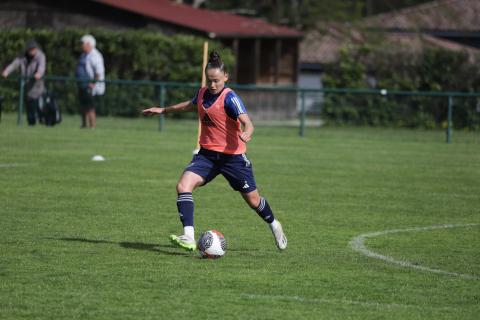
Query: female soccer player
x=225, y=130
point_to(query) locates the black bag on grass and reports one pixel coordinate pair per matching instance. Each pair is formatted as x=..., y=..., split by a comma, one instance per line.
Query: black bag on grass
x=51, y=111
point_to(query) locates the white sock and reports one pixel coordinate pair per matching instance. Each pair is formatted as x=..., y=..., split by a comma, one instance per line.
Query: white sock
x=275, y=224
x=189, y=231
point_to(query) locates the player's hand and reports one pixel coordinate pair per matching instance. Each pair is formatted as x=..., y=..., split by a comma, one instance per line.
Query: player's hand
x=37, y=76
x=153, y=111
x=5, y=74
x=245, y=136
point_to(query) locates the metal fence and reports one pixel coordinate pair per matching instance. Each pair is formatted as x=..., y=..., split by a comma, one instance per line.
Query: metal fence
x=277, y=104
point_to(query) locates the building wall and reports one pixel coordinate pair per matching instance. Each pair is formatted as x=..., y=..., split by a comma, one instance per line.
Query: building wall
x=267, y=61
x=288, y=67
x=270, y=105
x=245, y=58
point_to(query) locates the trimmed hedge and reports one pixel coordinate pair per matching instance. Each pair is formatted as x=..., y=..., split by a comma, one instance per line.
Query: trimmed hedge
x=139, y=55
x=432, y=70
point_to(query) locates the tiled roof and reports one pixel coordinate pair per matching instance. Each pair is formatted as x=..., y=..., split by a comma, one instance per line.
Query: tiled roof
x=323, y=44
x=324, y=47
x=213, y=23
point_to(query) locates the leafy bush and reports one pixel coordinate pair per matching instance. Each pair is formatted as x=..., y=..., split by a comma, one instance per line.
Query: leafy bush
x=432, y=70
x=133, y=54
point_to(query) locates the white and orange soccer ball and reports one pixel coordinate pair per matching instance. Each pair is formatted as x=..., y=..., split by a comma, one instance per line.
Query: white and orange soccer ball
x=212, y=244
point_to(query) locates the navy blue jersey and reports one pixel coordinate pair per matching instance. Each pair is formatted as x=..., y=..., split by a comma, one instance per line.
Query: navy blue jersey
x=234, y=106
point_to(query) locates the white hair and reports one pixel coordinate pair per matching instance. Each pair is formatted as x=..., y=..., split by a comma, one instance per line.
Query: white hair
x=88, y=38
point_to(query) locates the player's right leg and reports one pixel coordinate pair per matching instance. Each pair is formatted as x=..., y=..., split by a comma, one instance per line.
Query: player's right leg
x=185, y=186
x=200, y=171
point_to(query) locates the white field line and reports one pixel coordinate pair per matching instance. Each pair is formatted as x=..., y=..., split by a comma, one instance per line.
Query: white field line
x=358, y=244
x=369, y=304
x=15, y=165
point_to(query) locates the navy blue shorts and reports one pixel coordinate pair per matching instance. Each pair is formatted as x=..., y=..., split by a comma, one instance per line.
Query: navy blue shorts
x=236, y=168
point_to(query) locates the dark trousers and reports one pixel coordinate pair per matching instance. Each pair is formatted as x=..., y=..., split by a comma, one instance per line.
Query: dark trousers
x=33, y=106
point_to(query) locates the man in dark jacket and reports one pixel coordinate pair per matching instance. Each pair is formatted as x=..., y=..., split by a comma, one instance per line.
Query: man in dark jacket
x=32, y=65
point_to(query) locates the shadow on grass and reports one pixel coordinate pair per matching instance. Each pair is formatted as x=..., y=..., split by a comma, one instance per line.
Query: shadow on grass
x=153, y=247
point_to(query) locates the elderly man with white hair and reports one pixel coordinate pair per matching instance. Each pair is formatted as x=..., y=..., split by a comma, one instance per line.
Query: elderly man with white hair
x=90, y=74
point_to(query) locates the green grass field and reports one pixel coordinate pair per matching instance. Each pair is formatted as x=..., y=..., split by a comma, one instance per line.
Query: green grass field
x=89, y=240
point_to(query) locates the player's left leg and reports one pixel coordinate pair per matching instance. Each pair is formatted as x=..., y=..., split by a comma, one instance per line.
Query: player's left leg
x=261, y=206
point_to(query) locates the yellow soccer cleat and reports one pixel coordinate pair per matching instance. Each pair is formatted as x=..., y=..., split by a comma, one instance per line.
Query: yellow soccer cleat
x=184, y=242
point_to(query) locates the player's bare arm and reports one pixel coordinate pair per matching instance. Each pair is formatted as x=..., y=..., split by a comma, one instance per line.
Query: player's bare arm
x=248, y=128
x=185, y=106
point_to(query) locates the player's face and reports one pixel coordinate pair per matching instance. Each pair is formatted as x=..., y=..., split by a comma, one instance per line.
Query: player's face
x=216, y=79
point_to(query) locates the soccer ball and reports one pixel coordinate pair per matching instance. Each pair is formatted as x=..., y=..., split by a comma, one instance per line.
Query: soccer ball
x=212, y=244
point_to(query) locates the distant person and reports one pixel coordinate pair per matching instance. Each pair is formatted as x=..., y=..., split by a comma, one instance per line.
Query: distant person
x=32, y=64
x=91, y=70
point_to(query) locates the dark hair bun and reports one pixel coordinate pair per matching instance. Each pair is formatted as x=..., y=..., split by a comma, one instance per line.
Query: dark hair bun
x=215, y=62
x=214, y=57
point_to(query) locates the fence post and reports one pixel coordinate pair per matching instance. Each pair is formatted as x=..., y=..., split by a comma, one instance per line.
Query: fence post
x=449, y=119
x=161, y=118
x=302, y=113
x=20, y=101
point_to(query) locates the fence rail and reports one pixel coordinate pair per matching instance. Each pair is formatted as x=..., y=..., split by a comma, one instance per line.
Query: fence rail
x=300, y=93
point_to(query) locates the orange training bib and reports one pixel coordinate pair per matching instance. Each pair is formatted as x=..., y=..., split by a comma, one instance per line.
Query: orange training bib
x=219, y=132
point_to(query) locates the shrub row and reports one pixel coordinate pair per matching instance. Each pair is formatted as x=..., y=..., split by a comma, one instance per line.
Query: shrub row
x=377, y=67
x=139, y=55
